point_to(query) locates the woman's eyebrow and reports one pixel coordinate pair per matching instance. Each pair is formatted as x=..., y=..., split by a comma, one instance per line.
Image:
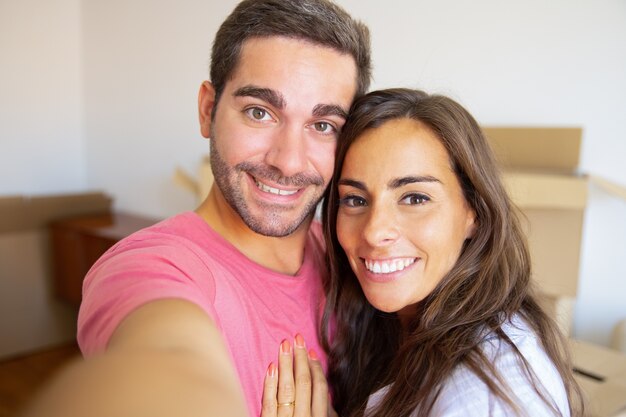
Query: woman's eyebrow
x=352, y=183
x=402, y=181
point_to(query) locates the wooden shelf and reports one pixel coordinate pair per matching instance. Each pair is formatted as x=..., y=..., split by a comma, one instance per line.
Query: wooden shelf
x=78, y=242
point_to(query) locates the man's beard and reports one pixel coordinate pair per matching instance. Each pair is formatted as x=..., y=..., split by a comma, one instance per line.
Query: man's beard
x=269, y=223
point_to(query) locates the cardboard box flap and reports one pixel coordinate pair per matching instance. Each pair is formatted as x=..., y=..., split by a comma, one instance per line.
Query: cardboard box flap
x=27, y=213
x=601, y=373
x=553, y=191
x=549, y=149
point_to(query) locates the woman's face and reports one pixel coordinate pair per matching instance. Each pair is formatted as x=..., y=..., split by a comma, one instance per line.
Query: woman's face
x=402, y=217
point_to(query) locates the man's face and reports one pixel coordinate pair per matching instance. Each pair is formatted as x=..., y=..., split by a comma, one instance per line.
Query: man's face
x=274, y=131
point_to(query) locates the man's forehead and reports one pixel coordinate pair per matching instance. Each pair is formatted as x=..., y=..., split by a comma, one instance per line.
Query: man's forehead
x=284, y=66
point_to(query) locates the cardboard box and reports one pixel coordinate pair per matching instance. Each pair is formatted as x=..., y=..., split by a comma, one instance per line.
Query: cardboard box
x=199, y=186
x=601, y=372
x=540, y=171
x=31, y=317
x=561, y=309
x=205, y=176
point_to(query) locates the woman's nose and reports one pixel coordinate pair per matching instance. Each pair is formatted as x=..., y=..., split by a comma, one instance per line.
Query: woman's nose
x=380, y=228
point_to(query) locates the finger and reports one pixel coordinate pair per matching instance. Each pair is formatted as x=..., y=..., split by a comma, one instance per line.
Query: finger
x=270, y=388
x=320, y=398
x=302, y=378
x=286, y=386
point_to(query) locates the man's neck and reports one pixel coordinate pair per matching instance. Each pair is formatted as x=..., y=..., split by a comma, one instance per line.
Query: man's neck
x=281, y=254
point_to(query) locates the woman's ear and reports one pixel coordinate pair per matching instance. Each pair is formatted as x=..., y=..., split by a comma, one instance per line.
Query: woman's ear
x=471, y=224
x=206, y=107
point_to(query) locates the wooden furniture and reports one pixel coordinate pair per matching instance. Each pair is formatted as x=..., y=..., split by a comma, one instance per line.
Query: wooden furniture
x=78, y=242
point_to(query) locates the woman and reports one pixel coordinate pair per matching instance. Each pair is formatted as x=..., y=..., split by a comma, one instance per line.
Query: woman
x=430, y=310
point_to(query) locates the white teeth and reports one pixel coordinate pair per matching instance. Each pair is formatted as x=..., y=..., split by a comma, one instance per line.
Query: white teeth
x=272, y=190
x=387, y=267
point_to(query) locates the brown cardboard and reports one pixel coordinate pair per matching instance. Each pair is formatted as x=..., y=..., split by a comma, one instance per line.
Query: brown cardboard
x=533, y=190
x=540, y=172
x=561, y=308
x=601, y=373
x=551, y=149
x=19, y=213
x=31, y=317
x=554, y=238
x=199, y=186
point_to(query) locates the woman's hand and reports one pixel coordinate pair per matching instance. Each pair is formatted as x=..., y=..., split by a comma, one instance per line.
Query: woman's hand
x=297, y=387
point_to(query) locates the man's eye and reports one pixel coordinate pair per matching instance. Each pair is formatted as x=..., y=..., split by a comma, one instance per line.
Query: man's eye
x=415, y=199
x=257, y=113
x=353, y=201
x=324, y=127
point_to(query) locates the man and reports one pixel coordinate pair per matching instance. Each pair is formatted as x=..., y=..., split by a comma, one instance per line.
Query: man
x=248, y=262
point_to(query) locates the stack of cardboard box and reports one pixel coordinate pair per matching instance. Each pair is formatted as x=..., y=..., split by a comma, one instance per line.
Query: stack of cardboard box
x=540, y=171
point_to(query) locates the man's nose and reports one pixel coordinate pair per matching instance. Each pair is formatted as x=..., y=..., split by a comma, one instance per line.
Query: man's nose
x=288, y=151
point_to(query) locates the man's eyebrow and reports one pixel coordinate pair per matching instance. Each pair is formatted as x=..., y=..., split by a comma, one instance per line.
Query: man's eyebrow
x=322, y=110
x=402, y=181
x=352, y=183
x=268, y=95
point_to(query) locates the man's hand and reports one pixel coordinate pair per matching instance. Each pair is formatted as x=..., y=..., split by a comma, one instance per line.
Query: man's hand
x=165, y=359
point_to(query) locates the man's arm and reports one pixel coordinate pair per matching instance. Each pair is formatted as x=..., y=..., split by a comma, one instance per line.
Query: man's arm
x=166, y=358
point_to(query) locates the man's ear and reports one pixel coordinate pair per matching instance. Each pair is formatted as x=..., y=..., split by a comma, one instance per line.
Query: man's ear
x=206, y=107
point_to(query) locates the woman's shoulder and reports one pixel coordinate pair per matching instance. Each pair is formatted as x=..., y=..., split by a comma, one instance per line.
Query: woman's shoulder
x=465, y=393
x=521, y=337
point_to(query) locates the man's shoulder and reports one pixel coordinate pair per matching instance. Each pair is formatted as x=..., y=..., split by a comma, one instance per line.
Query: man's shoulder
x=185, y=230
x=186, y=224
x=184, y=242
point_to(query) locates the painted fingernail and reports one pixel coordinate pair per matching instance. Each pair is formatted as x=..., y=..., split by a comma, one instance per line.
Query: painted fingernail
x=285, y=347
x=300, y=341
x=271, y=370
x=313, y=355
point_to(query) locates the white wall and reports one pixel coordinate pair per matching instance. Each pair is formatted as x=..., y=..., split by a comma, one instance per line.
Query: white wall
x=41, y=142
x=144, y=62
x=511, y=63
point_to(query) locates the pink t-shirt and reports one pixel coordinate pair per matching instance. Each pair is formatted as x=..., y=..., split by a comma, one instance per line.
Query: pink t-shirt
x=183, y=257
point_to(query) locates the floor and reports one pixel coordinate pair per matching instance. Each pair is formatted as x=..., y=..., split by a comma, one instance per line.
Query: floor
x=21, y=377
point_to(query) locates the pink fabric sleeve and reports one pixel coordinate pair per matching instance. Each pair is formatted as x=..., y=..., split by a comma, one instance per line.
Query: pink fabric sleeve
x=134, y=273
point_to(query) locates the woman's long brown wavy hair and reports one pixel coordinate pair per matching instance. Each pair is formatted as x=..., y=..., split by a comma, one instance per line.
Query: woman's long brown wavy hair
x=488, y=285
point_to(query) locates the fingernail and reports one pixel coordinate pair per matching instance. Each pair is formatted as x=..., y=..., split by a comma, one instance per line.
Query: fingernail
x=285, y=347
x=271, y=370
x=313, y=355
x=300, y=341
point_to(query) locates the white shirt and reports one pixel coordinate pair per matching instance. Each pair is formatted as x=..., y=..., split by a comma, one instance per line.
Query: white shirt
x=464, y=394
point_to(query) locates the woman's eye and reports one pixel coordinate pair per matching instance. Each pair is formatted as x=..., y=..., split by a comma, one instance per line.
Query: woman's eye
x=353, y=201
x=324, y=127
x=415, y=199
x=258, y=113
